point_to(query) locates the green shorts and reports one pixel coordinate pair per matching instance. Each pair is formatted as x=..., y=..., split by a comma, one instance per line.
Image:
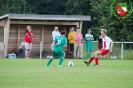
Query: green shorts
x=59, y=54
x=89, y=47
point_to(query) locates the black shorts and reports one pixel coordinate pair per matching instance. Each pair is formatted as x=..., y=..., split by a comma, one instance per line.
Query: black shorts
x=71, y=47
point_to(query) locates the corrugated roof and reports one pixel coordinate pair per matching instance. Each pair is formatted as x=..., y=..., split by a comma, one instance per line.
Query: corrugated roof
x=47, y=17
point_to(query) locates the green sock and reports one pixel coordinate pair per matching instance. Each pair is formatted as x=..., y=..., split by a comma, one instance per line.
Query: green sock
x=61, y=60
x=88, y=55
x=50, y=60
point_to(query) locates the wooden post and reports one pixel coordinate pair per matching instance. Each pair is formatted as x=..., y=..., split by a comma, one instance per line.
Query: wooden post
x=122, y=51
x=80, y=25
x=6, y=35
x=18, y=37
x=41, y=43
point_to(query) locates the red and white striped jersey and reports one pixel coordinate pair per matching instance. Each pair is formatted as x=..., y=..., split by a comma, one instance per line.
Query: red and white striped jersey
x=106, y=42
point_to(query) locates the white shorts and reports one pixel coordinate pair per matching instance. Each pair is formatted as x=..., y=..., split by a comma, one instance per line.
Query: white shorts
x=28, y=45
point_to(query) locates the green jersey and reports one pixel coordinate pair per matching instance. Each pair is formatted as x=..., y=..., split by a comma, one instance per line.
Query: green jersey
x=60, y=41
x=89, y=43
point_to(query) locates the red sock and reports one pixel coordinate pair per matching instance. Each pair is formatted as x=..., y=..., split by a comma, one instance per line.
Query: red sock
x=96, y=60
x=90, y=60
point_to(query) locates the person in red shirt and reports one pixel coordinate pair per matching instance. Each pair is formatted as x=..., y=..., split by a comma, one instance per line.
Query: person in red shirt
x=28, y=41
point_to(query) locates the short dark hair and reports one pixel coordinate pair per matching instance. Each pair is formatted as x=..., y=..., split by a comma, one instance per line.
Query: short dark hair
x=89, y=29
x=62, y=33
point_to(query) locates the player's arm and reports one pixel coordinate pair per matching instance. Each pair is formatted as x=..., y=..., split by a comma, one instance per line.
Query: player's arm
x=75, y=38
x=65, y=47
x=52, y=45
x=92, y=38
x=53, y=34
x=85, y=37
x=111, y=45
x=81, y=38
x=31, y=34
x=69, y=37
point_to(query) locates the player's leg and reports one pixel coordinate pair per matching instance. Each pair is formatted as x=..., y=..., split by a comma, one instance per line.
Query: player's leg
x=30, y=47
x=61, y=55
x=27, y=47
x=75, y=49
x=88, y=54
x=23, y=53
x=71, y=47
x=51, y=58
x=88, y=50
x=90, y=60
x=94, y=55
x=79, y=51
x=100, y=52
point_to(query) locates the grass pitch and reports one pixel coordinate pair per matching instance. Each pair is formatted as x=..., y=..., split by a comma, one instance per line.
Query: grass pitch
x=21, y=73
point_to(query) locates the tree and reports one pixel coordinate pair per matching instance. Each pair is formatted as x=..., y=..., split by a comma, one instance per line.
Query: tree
x=14, y=6
x=119, y=30
x=55, y=7
x=79, y=7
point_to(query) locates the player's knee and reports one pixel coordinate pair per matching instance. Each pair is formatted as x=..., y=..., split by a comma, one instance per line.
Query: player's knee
x=93, y=55
x=62, y=58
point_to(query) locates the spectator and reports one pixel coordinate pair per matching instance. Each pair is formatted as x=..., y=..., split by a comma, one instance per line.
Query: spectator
x=89, y=44
x=55, y=33
x=71, y=41
x=77, y=44
x=21, y=50
x=28, y=41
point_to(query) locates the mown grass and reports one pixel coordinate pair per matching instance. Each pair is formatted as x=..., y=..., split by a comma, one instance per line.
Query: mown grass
x=21, y=73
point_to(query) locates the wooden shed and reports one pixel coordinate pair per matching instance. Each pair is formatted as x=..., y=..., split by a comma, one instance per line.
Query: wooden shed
x=12, y=27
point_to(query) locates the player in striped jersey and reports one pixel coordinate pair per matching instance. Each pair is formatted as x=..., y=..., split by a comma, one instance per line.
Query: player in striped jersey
x=107, y=47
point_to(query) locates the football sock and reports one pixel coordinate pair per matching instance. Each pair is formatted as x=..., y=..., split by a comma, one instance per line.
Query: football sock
x=88, y=55
x=61, y=60
x=50, y=60
x=96, y=60
x=90, y=60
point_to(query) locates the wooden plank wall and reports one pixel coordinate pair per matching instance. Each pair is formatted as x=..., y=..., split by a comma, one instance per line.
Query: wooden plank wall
x=2, y=23
x=1, y=42
x=1, y=34
x=37, y=30
x=16, y=35
x=12, y=41
x=1, y=49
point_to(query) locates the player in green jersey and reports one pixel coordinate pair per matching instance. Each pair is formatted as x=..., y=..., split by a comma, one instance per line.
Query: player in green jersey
x=57, y=48
x=89, y=44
